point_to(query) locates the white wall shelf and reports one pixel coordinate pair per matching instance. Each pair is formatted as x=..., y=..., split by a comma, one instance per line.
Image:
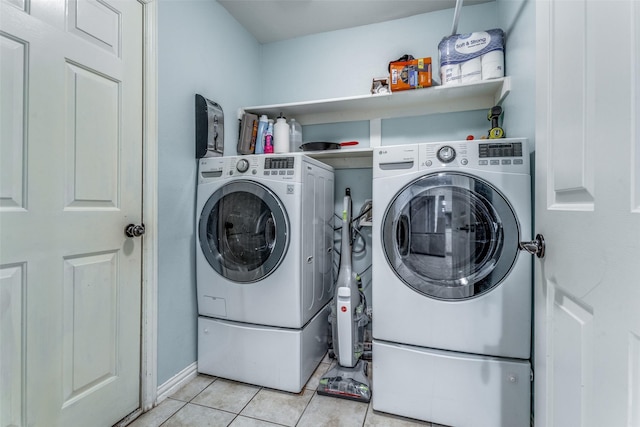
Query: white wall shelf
x=410, y=103
x=345, y=158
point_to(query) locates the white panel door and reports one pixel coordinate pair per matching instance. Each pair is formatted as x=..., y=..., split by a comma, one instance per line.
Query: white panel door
x=587, y=288
x=70, y=180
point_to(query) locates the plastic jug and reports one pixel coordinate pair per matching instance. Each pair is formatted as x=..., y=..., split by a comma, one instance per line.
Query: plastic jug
x=281, y=135
x=295, y=135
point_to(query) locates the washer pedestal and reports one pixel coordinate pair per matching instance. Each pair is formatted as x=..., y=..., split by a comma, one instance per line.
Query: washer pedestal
x=278, y=358
x=456, y=389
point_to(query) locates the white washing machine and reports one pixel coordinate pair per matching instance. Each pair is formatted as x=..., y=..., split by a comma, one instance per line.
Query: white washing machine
x=451, y=291
x=264, y=228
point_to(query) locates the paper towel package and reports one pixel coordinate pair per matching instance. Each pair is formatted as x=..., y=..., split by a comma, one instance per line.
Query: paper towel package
x=466, y=58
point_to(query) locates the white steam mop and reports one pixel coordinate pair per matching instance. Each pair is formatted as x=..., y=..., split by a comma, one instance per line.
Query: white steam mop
x=348, y=379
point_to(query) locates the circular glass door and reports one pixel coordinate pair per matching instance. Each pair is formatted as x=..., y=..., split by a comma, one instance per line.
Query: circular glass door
x=450, y=236
x=244, y=231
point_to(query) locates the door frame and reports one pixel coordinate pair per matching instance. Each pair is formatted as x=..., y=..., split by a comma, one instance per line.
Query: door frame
x=149, y=279
x=149, y=332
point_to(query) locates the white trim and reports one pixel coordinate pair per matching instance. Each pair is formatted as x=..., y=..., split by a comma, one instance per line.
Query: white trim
x=177, y=381
x=635, y=108
x=375, y=133
x=149, y=332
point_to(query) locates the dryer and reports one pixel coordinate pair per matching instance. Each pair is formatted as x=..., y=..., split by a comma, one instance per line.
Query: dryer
x=451, y=292
x=264, y=268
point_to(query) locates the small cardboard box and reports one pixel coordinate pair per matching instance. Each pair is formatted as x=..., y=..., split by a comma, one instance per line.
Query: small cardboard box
x=412, y=74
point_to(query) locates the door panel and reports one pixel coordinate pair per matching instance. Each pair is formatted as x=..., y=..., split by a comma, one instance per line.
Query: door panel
x=571, y=339
x=96, y=23
x=587, y=291
x=90, y=348
x=571, y=184
x=12, y=149
x=92, y=145
x=71, y=179
x=12, y=369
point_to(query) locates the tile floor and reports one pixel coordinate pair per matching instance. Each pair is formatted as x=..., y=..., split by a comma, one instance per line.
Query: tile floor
x=211, y=401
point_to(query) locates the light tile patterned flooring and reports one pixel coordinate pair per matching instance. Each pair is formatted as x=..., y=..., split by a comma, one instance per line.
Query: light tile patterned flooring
x=217, y=402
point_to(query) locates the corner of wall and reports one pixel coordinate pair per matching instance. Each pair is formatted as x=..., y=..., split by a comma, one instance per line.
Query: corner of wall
x=517, y=19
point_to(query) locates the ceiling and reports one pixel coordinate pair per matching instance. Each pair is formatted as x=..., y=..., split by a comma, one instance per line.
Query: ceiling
x=275, y=20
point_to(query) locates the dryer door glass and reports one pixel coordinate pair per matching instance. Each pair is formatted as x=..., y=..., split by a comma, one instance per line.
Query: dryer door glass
x=450, y=236
x=243, y=231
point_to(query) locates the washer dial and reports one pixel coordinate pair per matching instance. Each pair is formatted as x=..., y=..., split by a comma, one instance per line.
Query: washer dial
x=242, y=165
x=446, y=154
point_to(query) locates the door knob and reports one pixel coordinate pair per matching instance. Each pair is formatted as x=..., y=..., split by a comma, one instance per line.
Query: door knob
x=535, y=247
x=134, y=230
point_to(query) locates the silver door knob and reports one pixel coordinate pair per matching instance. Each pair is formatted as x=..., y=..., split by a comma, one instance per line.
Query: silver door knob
x=134, y=230
x=534, y=247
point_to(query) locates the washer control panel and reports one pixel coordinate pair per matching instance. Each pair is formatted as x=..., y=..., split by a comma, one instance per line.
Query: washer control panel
x=280, y=167
x=289, y=167
x=284, y=165
x=496, y=149
x=497, y=153
x=504, y=155
x=507, y=154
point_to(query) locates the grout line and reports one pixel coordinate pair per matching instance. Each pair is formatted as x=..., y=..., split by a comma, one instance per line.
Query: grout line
x=252, y=397
x=200, y=392
x=305, y=408
x=211, y=407
x=261, y=420
x=174, y=413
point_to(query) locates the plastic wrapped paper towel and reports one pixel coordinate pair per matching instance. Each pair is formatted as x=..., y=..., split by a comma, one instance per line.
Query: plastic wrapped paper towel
x=493, y=65
x=450, y=74
x=471, y=70
x=466, y=58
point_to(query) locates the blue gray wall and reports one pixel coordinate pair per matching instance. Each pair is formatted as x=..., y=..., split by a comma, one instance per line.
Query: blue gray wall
x=202, y=49
x=323, y=66
x=517, y=19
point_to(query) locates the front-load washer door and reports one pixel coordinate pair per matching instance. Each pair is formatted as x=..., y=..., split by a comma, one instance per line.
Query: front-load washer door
x=244, y=231
x=450, y=236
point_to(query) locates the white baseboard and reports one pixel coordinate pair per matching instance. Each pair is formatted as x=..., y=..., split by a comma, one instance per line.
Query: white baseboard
x=176, y=382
